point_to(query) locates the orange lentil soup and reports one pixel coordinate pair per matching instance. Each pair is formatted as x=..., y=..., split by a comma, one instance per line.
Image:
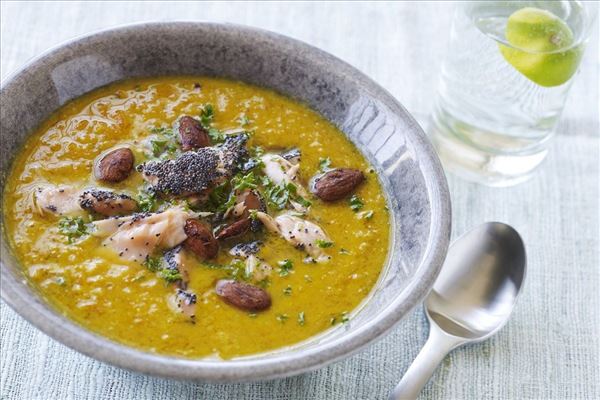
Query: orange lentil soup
x=90, y=281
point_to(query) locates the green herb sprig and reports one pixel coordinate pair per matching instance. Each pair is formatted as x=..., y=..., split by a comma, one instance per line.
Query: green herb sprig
x=301, y=318
x=146, y=200
x=324, y=164
x=155, y=264
x=324, y=244
x=285, y=267
x=356, y=203
x=72, y=228
x=207, y=115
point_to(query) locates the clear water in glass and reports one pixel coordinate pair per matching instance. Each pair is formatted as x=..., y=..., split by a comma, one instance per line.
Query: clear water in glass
x=491, y=123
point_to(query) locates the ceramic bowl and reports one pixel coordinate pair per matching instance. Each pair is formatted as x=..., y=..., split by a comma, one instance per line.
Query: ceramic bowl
x=371, y=118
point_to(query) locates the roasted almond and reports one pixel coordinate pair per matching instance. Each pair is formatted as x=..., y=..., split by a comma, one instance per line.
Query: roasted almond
x=337, y=183
x=234, y=229
x=114, y=166
x=192, y=134
x=242, y=295
x=200, y=239
x=252, y=201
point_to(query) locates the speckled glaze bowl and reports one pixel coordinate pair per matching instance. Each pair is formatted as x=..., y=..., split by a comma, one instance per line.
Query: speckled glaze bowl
x=381, y=128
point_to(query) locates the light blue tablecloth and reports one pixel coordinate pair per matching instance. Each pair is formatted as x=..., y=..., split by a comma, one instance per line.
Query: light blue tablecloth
x=549, y=350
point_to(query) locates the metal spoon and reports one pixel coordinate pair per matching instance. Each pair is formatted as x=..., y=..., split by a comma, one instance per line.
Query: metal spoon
x=471, y=299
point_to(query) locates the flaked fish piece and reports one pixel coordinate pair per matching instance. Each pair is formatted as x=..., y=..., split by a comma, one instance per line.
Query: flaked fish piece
x=245, y=250
x=292, y=155
x=254, y=266
x=268, y=222
x=70, y=201
x=59, y=200
x=196, y=171
x=137, y=236
x=282, y=172
x=177, y=260
x=257, y=268
x=303, y=234
x=106, y=202
x=184, y=302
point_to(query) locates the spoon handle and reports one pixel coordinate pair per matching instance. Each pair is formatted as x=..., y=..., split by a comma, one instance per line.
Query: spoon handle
x=438, y=345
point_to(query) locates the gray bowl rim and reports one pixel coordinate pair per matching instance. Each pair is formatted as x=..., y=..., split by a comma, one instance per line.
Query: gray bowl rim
x=15, y=291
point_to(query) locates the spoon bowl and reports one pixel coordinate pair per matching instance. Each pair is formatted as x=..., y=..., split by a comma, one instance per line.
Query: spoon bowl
x=472, y=298
x=479, y=283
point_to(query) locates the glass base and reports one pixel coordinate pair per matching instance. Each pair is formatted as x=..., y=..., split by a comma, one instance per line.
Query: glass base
x=491, y=168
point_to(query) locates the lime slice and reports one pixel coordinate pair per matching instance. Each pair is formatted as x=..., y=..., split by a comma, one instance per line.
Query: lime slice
x=537, y=36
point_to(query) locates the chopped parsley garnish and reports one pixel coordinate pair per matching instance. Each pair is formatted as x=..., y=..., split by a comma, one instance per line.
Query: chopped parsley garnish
x=164, y=143
x=218, y=197
x=257, y=151
x=170, y=275
x=356, y=203
x=324, y=244
x=72, y=227
x=146, y=200
x=241, y=182
x=244, y=120
x=229, y=203
x=324, y=164
x=254, y=161
x=285, y=267
x=343, y=318
x=222, y=197
x=163, y=147
x=264, y=283
x=216, y=135
x=207, y=115
x=158, y=146
x=301, y=318
x=153, y=264
x=161, y=130
x=287, y=291
x=210, y=265
x=253, y=215
x=237, y=271
x=303, y=201
x=279, y=195
x=282, y=318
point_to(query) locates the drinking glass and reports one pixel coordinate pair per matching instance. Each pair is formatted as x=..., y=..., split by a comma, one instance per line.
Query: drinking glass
x=504, y=83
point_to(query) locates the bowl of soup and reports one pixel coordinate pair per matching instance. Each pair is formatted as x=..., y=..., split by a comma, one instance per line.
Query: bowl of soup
x=213, y=202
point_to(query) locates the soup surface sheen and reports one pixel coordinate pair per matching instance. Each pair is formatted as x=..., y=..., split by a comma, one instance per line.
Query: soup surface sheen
x=124, y=300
